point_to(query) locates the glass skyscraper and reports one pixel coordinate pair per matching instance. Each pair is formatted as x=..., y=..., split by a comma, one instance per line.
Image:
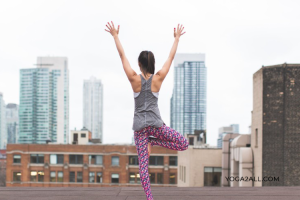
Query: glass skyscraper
x=44, y=102
x=12, y=123
x=3, y=132
x=188, y=102
x=93, y=107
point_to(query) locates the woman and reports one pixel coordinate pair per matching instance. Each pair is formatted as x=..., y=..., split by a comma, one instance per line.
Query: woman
x=149, y=128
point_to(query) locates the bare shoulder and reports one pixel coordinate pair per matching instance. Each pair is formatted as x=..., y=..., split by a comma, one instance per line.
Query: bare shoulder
x=156, y=82
x=157, y=77
x=136, y=83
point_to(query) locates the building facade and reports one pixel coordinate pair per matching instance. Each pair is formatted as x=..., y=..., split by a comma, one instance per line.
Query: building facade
x=93, y=107
x=67, y=165
x=188, y=102
x=200, y=165
x=12, y=123
x=2, y=167
x=3, y=131
x=44, y=102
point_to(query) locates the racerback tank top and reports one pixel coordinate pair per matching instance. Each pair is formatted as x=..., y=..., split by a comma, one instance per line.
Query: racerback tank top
x=146, y=112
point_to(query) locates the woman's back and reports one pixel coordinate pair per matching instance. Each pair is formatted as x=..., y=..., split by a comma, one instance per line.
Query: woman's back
x=146, y=112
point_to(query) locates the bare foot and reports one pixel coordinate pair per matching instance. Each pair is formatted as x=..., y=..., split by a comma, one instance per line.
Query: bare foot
x=149, y=148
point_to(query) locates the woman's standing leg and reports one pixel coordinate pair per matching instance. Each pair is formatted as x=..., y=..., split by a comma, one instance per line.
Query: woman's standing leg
x=168, y=137
x=141, y=143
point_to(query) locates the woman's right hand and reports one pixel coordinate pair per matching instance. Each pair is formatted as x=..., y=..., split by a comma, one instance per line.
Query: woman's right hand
x=177, y=33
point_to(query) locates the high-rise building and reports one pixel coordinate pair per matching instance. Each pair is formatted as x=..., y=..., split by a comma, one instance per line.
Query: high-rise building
x=188, y=102
x=3, y=132
x=275, y=134
x=44, y=102
x=93, y=107
x=233, y=128
x=12, y=123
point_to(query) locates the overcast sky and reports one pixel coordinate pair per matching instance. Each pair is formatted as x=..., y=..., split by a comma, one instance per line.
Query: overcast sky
x=237, y=38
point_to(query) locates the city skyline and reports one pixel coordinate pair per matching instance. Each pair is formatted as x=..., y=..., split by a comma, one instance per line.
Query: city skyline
x=236, y=44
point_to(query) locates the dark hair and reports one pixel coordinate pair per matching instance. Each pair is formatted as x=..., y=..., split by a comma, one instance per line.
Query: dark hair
x=147, y=61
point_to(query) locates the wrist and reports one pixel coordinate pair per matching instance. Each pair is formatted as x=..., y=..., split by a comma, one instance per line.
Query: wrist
x=177, y=38
x=115, y=36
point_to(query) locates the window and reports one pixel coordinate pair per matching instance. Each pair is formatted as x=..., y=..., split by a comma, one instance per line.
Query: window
x=184, y=173
x=131, y=177
x=92, y=177
x=17, y=158
x=36, y=158
x=159, y=178
x=76, y=159
x=33, y=176
x=156, y=160
x=191, y=141
x=56, y=159
x=95, y=159
x=173, y=160
x=152, y=177
x=212, y=176
x=37, y=176
x=133, y=160
x=40, y=176
x=256, y=137
x=17, y=176
x=60, y=176
x=79, y=177
x=115, y=160
x=138, y=179
x=114, y=178
x=99, y=177
x=172, y=179
x=72, y=177
x=52, y=176
x=83, y=135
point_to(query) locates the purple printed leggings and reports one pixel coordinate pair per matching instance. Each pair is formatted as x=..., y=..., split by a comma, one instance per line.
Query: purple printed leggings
x=165, y=137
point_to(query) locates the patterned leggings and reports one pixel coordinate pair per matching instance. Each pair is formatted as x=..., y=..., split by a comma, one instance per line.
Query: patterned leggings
x=165, y=137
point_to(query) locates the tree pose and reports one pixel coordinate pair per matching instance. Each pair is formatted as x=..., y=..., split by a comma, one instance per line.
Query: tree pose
x=149, y=129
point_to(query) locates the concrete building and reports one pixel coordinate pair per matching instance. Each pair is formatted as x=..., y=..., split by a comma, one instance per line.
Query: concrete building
x=82, y=136
x=237, y=160
x=275, y=125
x=12, y=123
x=200, y=165
x=93, y=107
x=188, y=102
x=44, y=102
x=233, y=128
x=3, y=131
x=95, y=165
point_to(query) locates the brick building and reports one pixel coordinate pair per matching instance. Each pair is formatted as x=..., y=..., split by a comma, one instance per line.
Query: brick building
x=67, y=165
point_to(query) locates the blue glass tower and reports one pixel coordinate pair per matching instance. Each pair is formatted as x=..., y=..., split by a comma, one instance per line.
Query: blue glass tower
x=44, y=102
x=188, y=102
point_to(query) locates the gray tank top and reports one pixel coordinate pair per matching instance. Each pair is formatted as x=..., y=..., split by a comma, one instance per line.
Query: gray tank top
x=146, y=112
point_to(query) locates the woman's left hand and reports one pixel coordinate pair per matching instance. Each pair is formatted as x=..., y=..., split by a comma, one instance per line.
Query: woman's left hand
x=112, y=29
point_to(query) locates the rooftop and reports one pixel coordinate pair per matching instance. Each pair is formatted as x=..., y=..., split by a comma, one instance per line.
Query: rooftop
x=159, y=193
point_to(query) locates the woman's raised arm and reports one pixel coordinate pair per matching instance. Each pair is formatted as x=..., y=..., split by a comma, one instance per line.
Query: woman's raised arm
x=165, y=69
x=127, y=68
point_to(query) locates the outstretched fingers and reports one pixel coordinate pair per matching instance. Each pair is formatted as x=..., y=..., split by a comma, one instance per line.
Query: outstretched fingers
x=109, y=25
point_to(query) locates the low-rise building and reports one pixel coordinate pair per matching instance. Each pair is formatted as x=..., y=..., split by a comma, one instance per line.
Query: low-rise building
x=92, y=165
x=200, y=165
